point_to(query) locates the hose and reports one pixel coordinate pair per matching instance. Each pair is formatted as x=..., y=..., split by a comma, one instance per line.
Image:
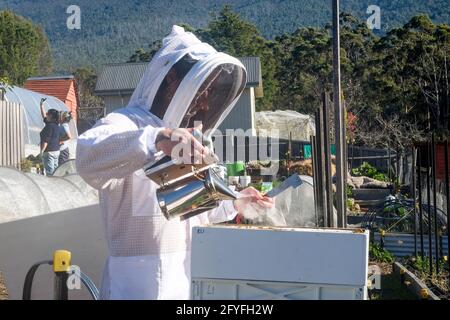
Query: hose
x=26, y=294
x=89, y=285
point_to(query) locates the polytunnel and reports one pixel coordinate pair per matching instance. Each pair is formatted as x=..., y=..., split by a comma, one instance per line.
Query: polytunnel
x=24, y=195
x=29, y=101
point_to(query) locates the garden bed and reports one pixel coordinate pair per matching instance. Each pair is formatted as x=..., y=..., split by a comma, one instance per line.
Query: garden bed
x=410, y=274
x=414, y=283
x=438, y=284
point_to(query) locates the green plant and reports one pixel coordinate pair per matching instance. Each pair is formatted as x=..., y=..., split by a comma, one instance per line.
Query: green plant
x=26, y=164
x=349, y=191
x=380, y=177
x=377, y=253
x=367, y=170
x=423, y=265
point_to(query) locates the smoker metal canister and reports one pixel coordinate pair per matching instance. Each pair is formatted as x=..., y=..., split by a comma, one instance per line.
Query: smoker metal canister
x=193, y=195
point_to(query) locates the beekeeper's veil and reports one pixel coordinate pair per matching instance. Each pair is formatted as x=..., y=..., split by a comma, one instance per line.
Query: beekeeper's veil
x=188, y=80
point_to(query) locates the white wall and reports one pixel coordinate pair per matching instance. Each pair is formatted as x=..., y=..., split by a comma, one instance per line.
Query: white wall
x=243, y=114
x=115, y=102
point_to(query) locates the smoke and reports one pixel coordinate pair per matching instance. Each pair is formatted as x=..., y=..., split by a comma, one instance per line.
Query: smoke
x=293, y=207
x=264, y=216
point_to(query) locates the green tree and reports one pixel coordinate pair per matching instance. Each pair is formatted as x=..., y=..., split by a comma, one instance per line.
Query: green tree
x=86, y=79
x=141, y=55
x=304, y=70
x=230, y=33
x=409, y=72
x=305, y=65
x=24, y=49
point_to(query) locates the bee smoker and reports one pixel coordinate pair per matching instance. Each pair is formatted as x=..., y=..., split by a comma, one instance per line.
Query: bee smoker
x=186, y=190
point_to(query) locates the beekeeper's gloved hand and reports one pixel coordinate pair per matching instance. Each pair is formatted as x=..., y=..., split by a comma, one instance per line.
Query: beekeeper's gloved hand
x=251, y=199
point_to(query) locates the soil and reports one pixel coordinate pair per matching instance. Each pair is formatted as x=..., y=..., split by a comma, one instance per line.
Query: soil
x=391, y=286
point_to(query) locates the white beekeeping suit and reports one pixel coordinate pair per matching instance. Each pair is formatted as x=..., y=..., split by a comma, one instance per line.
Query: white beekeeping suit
x=149, y=255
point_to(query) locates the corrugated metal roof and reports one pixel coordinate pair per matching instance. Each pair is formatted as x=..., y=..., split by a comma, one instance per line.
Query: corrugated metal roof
x=120, y=77
x=52, y=77
x=253, y=66
x=124, y=77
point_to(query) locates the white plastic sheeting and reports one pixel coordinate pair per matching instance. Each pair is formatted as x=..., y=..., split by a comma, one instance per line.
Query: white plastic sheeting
x=286, y=121
x=67, y=168
x=24, y=195
x=30, y=101
x=294, y=207
x=297, y=204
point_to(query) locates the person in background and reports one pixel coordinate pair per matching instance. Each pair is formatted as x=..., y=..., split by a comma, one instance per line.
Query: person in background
x=50, y=138
x=65, y=135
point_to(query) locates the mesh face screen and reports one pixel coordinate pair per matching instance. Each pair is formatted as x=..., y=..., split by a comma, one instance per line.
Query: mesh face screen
x=219, y=90
x=170, y=84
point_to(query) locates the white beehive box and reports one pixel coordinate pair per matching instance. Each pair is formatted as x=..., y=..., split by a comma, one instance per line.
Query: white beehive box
x=242, y=262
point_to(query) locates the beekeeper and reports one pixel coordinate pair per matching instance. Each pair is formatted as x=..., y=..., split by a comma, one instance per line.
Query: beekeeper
x=187, y=81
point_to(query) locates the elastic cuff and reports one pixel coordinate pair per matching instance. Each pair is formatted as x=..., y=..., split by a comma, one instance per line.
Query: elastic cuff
x=151, y=134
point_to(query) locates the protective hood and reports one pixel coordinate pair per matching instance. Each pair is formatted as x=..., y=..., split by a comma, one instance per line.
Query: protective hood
x=188, y=81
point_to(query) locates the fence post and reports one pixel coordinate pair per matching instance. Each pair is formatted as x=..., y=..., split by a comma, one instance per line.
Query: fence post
x=430, y=244
x=327, y=152
x=413, y=194
x=447, y=195
x=436, y=232
x=339, y=123
x=419, y=179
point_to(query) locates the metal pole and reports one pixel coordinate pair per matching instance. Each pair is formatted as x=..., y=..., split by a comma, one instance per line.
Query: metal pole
x=430, y=245
x=419, y=178
x=397, y=166
x=447, y=196
x=433, y=170
x=314, y=168
x=447, y=188
x=413, y=194
x=60, y=291
x=323, y=167
x=389, y=163
x=319, y=161
x=339, y=122
x=327, y=152
x=345, y=161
